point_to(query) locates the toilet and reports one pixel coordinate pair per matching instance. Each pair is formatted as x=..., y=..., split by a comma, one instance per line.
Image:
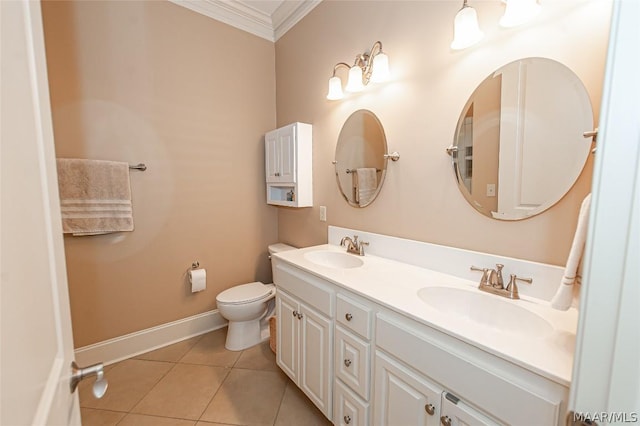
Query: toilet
x=248, y=307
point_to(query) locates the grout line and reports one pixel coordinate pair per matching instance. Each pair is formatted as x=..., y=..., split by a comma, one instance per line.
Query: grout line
x=275, y=420
x=154, y=385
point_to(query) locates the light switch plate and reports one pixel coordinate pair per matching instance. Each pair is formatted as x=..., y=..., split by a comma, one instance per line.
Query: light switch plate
x=323, y=213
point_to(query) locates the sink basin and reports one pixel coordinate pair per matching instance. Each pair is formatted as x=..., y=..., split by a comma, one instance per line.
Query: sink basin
x=334, y=259
x=485, y=310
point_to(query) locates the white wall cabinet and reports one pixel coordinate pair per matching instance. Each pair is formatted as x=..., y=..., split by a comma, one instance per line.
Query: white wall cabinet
x=288, y=165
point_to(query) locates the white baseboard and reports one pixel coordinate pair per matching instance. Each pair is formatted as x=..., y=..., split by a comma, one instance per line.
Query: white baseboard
x=129, y=345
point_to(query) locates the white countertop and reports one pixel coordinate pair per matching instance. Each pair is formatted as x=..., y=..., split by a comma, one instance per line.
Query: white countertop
x=395, y=285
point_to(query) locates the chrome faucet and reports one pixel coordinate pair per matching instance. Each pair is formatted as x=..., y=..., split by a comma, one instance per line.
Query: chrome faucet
x=492, y=282
x=353, y=245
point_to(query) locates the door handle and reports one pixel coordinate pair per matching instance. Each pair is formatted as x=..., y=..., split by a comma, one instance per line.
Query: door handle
x=77, y=374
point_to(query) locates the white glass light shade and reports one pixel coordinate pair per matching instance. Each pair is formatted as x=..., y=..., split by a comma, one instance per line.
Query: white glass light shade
x=335, y=89
x=517, y=12
x=380, y=68
x=466, y=31
x=354, y=84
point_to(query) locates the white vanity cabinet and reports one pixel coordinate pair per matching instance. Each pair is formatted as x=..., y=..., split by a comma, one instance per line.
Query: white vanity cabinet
x=304, y=307
x=288, y=165
x=363, y=363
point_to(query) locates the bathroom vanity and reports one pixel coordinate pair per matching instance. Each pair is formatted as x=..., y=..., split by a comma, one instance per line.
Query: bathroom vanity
x=372, y=340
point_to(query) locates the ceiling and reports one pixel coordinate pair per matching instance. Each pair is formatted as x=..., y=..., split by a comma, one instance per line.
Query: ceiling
x=269, y=19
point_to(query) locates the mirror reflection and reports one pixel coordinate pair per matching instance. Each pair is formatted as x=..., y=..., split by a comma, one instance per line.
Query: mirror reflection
x=360, y=162
x=519, y=144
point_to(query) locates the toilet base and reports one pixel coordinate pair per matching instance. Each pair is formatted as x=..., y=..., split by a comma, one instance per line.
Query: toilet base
x=242, y=335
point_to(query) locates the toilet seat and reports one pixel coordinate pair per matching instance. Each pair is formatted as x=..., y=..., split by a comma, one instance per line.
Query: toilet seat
x=246, y=293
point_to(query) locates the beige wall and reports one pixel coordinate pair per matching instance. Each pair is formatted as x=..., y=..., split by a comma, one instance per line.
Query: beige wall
x=419, y=110
x=191, y=97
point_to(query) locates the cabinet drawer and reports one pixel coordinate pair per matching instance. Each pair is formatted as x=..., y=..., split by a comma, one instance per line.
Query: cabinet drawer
x=353, y=315
x=348, y=408
x=308, y=288
x=352, y=362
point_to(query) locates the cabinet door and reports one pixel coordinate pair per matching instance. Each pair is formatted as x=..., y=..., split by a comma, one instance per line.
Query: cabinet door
x=271, y=156
x=456, y=413
x=402, y=397
x=287, y=334
x=287, y=153
x=316, y=351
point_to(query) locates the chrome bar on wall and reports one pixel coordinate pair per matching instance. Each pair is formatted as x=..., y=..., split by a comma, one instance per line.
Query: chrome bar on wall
x=354, y=170
x=139, y=166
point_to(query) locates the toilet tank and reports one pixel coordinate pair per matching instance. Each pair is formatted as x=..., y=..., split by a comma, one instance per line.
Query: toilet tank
x=279, y=247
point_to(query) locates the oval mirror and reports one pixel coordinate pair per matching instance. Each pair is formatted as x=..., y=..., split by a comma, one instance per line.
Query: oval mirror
x=360, y=162
x=519, y=145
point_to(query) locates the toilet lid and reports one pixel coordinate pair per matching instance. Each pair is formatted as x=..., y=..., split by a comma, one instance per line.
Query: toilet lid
x=246, y=293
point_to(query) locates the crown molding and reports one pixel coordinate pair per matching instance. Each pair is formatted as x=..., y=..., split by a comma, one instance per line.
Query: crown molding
x=247, y=18
x=290, y=13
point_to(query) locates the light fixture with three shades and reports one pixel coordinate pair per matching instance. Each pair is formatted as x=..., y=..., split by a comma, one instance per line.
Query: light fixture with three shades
x=367, y=67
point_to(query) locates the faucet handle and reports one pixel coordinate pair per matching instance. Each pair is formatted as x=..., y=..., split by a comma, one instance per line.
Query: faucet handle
x=485, y=274
x=512, y=287
x=361, y=247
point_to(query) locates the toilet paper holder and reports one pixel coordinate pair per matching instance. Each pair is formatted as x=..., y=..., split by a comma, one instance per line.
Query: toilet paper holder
x=195, y=265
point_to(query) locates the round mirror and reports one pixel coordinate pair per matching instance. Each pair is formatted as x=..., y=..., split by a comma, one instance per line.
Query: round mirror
x=519, y=144
x=360, y=162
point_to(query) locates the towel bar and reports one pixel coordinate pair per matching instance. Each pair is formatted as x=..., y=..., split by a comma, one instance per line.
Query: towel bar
x=140, y=166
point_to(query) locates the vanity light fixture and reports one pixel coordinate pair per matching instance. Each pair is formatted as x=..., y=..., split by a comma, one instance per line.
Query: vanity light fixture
x=466, y=31
x=518, y=12
x=367, y=67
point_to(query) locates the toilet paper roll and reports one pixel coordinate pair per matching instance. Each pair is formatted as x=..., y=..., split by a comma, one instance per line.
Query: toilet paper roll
x=198, y=279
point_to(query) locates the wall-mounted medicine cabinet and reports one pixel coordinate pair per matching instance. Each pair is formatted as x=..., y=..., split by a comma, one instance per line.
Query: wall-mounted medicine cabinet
x=288, y=165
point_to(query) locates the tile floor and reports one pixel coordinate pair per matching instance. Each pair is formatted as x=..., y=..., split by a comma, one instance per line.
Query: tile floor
x=198, y=382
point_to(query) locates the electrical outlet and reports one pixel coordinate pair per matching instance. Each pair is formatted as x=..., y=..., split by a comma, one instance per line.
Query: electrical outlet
x=323, y=213
x=491, y=190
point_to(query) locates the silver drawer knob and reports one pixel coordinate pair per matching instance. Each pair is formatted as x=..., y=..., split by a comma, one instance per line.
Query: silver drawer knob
x=430, y=409
x=300, y=315
x=295, y=313
x=348, y=317
x=445, y=420
x=347, y=419
x=347, y=362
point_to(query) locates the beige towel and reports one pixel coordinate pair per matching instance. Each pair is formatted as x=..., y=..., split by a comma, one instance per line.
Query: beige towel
x=367, y=184
x=564, y=295
x=95, y=196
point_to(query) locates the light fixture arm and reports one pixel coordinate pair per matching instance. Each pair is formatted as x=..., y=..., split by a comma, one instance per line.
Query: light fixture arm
x=365, y=61
x=339, y=65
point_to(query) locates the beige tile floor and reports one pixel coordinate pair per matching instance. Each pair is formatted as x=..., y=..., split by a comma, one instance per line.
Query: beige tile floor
x=198, y=382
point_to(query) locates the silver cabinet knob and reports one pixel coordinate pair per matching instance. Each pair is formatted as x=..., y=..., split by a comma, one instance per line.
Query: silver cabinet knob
x=347, y=419
x=430, y=409
x=348, y=316
x=77, y=374
x=300, y=315
x=445, y=420
x=347, y=362
x=295, y=313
